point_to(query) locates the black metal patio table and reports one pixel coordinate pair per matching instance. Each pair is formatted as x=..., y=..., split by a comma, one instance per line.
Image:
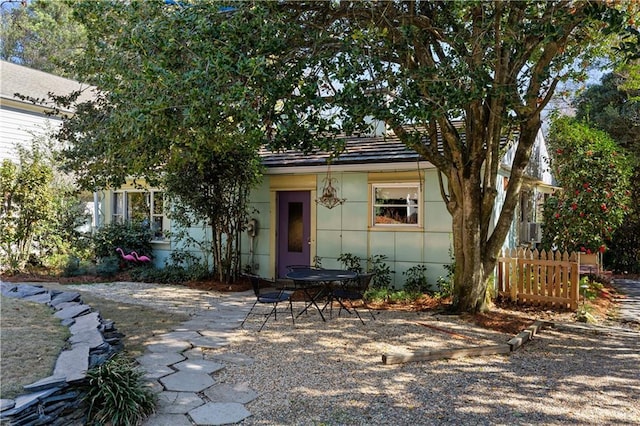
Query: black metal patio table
x=307, y=279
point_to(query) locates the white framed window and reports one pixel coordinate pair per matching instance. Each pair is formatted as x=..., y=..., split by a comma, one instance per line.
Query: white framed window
x=140, y=207
x=396, y=204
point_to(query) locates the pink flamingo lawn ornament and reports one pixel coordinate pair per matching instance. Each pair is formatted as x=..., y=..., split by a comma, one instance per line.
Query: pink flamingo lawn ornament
x=128, y=257
x=143, y=258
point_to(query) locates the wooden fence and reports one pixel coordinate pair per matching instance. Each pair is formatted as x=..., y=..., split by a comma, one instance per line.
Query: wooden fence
x=539, y=278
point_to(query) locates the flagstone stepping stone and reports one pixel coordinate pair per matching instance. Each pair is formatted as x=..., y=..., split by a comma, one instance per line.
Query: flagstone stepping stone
x=64, y=297
x=160, y=358
x=177, y=335
x=209, y=342
x=25, y=401
x=198, y=366
x=29, y=290
x=72, y=311
x=220, y=334
x=168, y=420
x=39, y=298
x=73, y=364
x=88, y=322
x=184, y=381
x=219, y=413
x=6, y=404
x=169, y=346
x=178, y=402
x=157, y=371
x=223, y=392
x=6, y=289
x=46, y=383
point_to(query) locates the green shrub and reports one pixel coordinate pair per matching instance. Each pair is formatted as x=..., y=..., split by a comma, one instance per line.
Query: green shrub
x=381, y=295
x=108, y=266
x=416, y=279
x=182, y=267
x=590, y=287
x=128, y=236
x=74, y=267
x=404, y=296
x=378, y=295
x=116, y=394
x=445, y=284
x=375, y=264
x=351, y=262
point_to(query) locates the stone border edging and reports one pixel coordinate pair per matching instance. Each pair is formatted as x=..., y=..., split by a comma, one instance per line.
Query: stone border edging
x=56, y=400
x=512, y=345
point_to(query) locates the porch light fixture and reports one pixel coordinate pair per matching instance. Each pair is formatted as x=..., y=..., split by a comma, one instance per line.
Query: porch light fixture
x=329, y=197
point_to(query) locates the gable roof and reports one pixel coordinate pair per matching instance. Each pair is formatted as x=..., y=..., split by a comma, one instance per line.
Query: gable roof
x=35, y=84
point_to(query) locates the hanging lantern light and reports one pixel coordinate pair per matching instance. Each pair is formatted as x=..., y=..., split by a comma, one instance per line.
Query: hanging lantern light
x=329, y=197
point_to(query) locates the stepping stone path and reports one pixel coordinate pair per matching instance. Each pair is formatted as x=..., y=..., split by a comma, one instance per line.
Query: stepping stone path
x=174, y=363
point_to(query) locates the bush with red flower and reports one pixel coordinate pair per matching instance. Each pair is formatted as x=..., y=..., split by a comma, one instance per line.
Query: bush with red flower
x=594, y=174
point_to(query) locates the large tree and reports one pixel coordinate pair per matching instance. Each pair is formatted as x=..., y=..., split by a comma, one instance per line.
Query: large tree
x=41, y=34
x=294, y=73
x=187, y=93
x=421, y=65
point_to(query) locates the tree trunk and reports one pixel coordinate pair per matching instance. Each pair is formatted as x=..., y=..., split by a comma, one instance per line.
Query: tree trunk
x=471, y=276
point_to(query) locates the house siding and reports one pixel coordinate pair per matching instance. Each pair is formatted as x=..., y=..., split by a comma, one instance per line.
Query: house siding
x=346, y=228
x=19, y=127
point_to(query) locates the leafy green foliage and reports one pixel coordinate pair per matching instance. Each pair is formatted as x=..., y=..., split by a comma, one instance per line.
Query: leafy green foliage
x=213, y=187
x=389, y=295
x=416, y=280
x=351, y=262
x=127, y=236
x=41, y=215
x=614, y=106
x=445, y=284
x=606, y=107
x=27, y=204
x=116, y=393
x=375, y=264
x=42, y=35
x=108, y=266
x=594, y=173
x=183, y=267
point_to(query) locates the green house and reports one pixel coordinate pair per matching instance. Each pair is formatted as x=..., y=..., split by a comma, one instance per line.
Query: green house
x=377, y=198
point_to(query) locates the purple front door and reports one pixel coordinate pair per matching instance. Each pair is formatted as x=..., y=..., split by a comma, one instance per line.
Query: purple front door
x=294, y=229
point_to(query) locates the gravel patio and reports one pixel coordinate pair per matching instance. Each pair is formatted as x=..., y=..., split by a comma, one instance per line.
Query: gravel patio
x=331, y=373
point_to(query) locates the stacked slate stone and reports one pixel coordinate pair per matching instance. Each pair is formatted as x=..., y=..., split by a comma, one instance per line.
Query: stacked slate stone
x=57, y=399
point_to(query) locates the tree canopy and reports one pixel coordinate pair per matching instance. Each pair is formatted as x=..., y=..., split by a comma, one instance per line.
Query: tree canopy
x=175, y=78
x=43, y=35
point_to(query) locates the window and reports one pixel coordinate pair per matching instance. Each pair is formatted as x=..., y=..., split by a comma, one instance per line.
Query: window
x=396, y=204
x=141, y=207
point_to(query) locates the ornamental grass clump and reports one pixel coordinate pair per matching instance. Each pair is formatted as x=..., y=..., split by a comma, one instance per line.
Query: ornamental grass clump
x=116, y=394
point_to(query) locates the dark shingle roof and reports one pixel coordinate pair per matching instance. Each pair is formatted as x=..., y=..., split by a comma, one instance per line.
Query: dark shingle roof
x=358, y=150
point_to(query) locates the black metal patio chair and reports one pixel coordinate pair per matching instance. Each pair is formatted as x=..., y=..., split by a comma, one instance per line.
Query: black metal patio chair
x=351, y=291
x=268, y=296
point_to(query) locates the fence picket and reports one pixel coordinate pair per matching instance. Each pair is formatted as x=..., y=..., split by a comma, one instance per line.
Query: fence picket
x=542, y=277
